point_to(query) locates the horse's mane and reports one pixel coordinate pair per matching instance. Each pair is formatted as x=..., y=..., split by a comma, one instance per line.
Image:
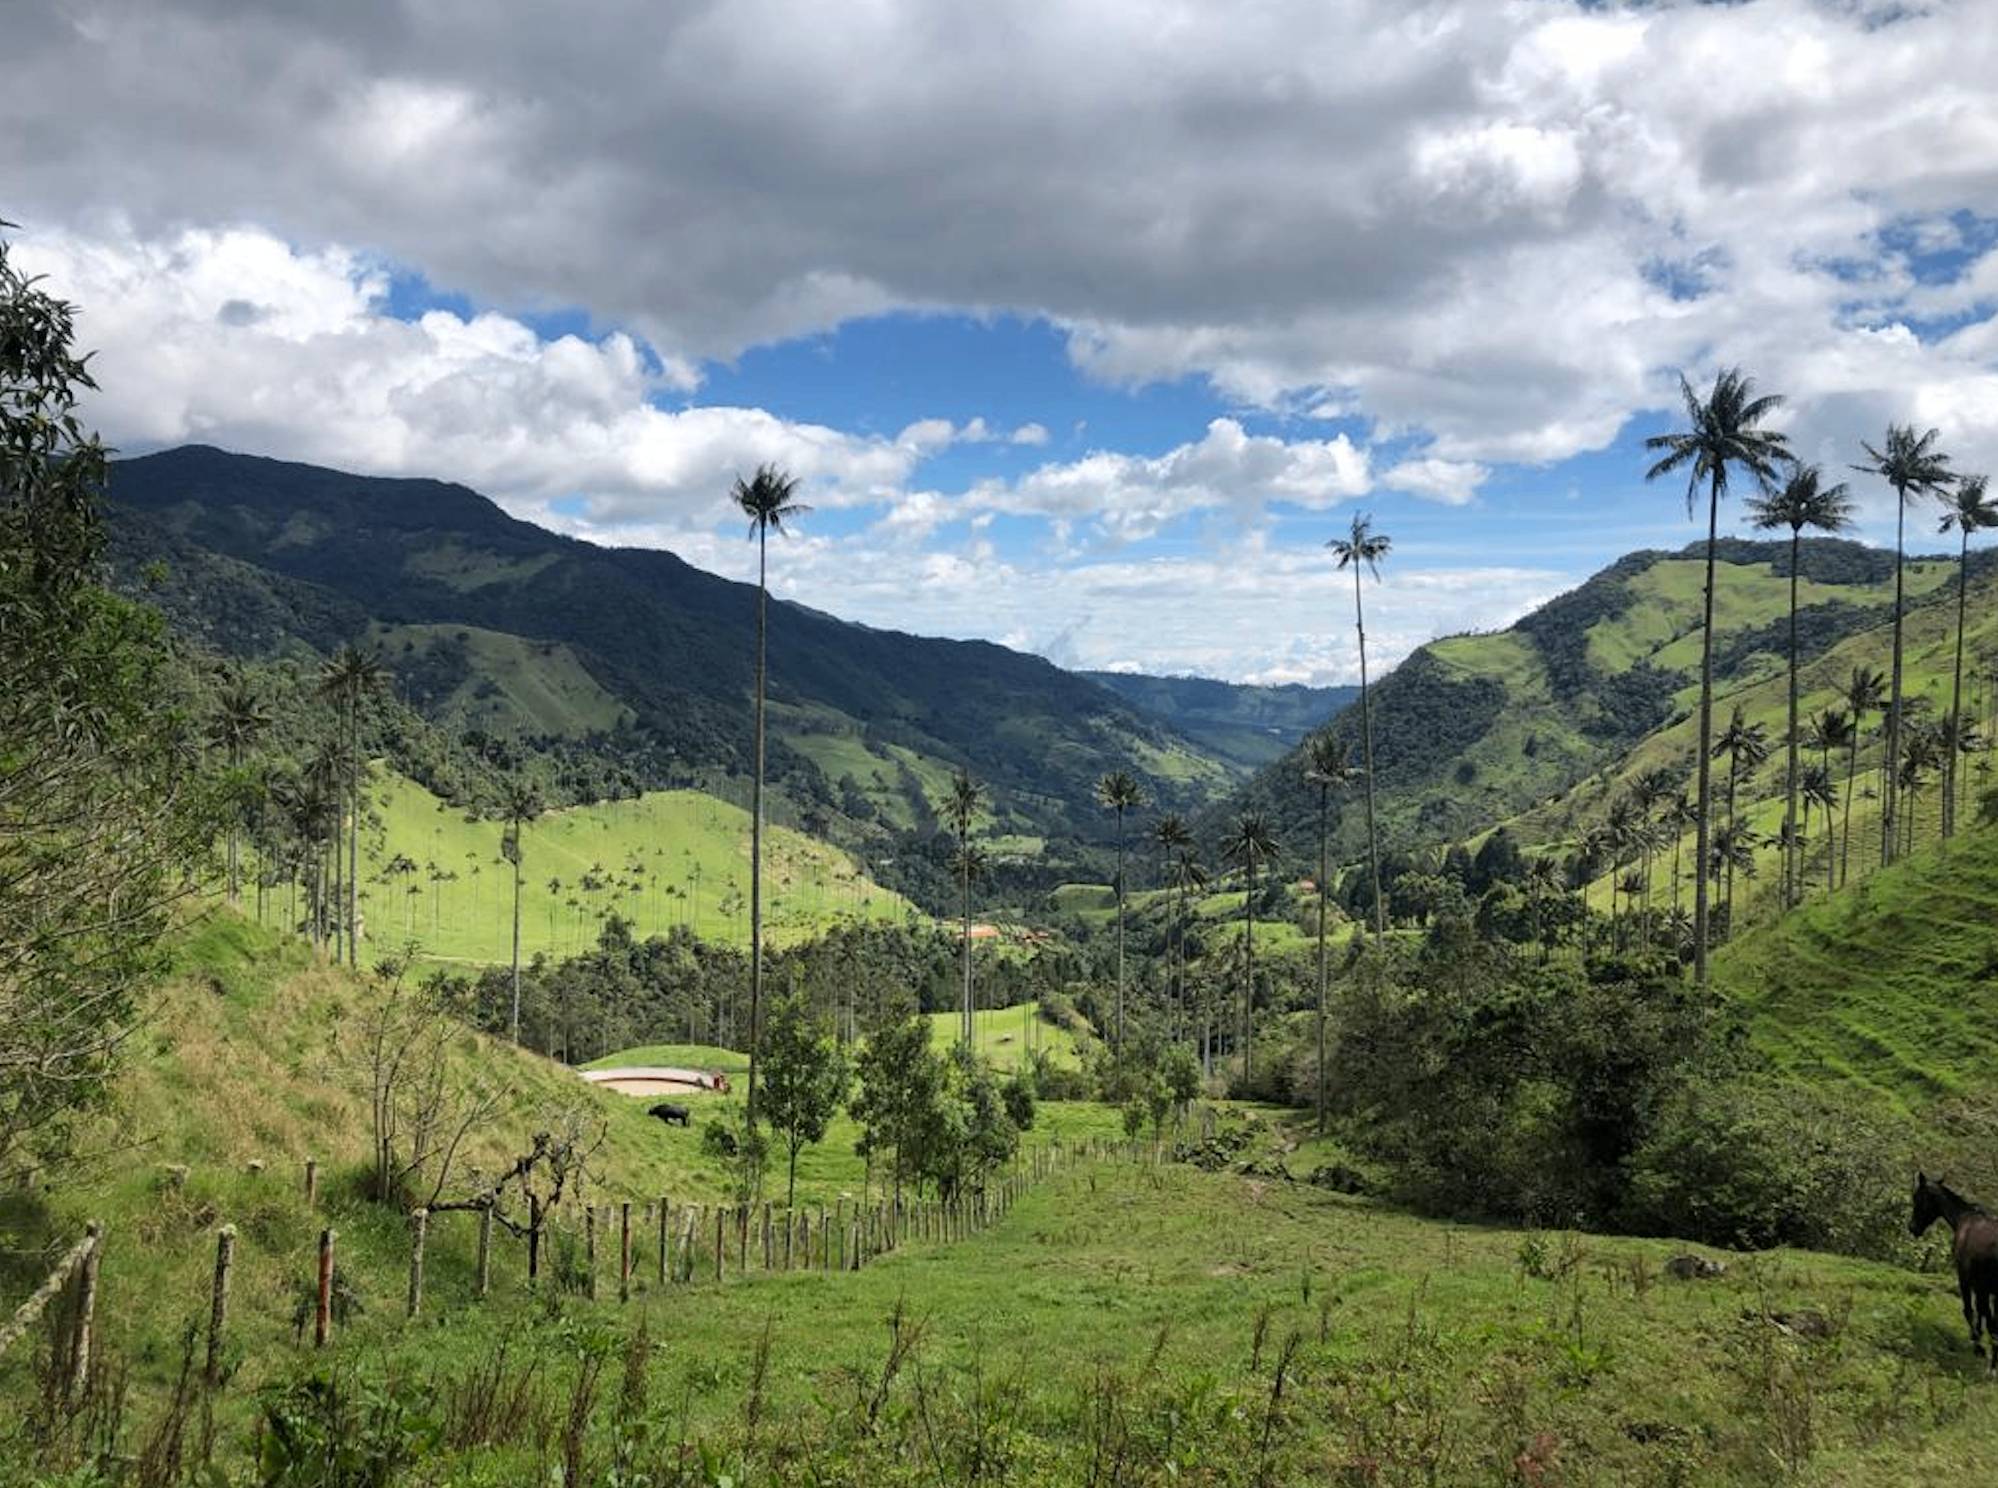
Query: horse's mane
x=1970, y=1206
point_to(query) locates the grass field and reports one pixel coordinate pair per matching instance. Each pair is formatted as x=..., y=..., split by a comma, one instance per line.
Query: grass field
x=514, y=685
x=668, y=858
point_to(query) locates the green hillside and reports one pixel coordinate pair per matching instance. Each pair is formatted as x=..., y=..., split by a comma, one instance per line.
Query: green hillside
x=1472, y=731
x=1006, y=1035
x=1246, y=726
x=504, y=685
x=1890, y=987
x=667, y=858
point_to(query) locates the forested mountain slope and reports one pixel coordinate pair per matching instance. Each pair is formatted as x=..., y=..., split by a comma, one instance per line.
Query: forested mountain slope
x=1244, y=724
x=492, y=623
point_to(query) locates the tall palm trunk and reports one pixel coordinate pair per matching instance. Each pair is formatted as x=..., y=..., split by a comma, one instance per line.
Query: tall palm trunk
x=1792, y=858
x=1703, y=835
x=513, y=1023
x=1956, y=693
x=1734, y=835
x=1888, y=836
x=969, y=1020
x=756, y=840
x=1845, y=813
x=1324, y=898
x=1249, y=975
x=353, y=836
x=1120, y=929
x=1367, y=755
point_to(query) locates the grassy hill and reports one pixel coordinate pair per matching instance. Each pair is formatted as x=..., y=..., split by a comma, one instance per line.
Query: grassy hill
x=667, y=858
x=1890, y=987
x=1472, y=731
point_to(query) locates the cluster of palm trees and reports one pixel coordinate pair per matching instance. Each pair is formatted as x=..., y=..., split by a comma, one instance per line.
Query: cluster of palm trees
x=1726, y=439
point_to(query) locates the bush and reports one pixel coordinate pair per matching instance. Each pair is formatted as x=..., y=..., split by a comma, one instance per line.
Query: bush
x=1752, y=1163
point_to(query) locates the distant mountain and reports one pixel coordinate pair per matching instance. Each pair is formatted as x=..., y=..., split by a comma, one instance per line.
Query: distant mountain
x=492, y=623
x=1245, y=725
x=1474, y=730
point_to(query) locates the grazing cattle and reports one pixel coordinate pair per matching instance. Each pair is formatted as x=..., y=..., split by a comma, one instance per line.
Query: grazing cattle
x=671, y=1113
x=1974, y=1246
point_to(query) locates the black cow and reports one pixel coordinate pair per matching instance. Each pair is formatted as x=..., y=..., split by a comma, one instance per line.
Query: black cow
x=671, y=1114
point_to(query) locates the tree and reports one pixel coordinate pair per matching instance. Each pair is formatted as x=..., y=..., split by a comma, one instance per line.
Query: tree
x=1865, y=690
x=522, y=806
x=1804, y=501
x=1967, y=510
x=1328, y=764
x=1724, y=435
x=769, y=500
x=105, y=815
x=901, y=1081
x=1170, y=836
x=961, y=808
x=1250, y=843
x=1118, y=792
x=239, y=721
x=1913, y=466
x=346, y=680
x=1831, y=730
x=1189, y=877
x=1746, y=746
x=805, y=1080
x=1360, y=548
x=1818, y=791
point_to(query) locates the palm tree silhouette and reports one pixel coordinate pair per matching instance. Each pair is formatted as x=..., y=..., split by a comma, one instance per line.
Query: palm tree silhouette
x=1360, y=548
x=1189, y=878
x=1251, y=842
x=1865, y=690
x=345, y=680
x=240, y=720
x=1724, y=434
x=520, y=806
x=1831, y=730
x=1328, y=764
x=1169, y=835
x=1817, y=790
x=961, y=808
x=1746, y=746
x=1968, y=509
x=769, y=500
x=1118, y=792
x=1804, y=501
x=1913, y=466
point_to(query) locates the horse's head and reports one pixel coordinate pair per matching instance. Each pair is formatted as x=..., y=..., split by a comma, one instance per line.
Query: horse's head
x=1928, y=1204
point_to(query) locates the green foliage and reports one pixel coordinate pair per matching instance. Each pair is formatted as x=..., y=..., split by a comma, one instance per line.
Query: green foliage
x=804, y=1076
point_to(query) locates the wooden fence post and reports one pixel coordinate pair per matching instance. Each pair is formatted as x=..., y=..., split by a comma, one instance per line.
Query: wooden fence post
x=689, y=1241
x=419, y=1230
x=86, y=1308
x=218, y=1307
x=485, y=1249
x=311, y=1182
x=665, y=1219
x=721, y=1237
x=590, y=1249
x=322, y=1320
x=766, y=1234
x=624, y=1251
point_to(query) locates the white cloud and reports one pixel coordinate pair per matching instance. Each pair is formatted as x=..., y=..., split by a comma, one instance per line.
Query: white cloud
x=1030, y=434
x=1452, y=482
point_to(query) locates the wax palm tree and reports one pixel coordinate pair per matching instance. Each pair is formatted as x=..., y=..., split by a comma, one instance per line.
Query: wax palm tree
x=1733, y=849
x=1968, y=509
x=961, y=808
x=1328, y=765
x=1819, y=791
x=520, y=805
x=240, y=720
x=1724, y=435
x=1680, y=814
x=1830, y=731
x=1170, y=836
x=346, y=680
x=969, y=863
x=1913, y=466
x=1652, y=790
x=1250, y=843
x=1364, y=548
x=1804, y=501
x=1921, y=754
x=1118, y=792
x=769, y=499
x=1746, y=746
x=1865, y=690
x=1189, y=877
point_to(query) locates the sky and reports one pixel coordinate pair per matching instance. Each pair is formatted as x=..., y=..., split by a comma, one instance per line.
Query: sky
x=1083, y=326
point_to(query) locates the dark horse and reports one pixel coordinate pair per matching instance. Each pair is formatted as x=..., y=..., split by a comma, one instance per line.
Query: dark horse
x=1974, y=1244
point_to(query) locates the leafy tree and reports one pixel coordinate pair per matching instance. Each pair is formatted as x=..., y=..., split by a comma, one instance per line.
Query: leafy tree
x=1328, y=764
x=901, y=1080
x=805, y=1079
x=1119, y=793
x=769, y=499
x=1805, y=501
x=1362, y=547
x=104, y=814
x=1251, y=843
x=1967, y=510
x=961, y=808
x=1913, y=466
x=1723, y=435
